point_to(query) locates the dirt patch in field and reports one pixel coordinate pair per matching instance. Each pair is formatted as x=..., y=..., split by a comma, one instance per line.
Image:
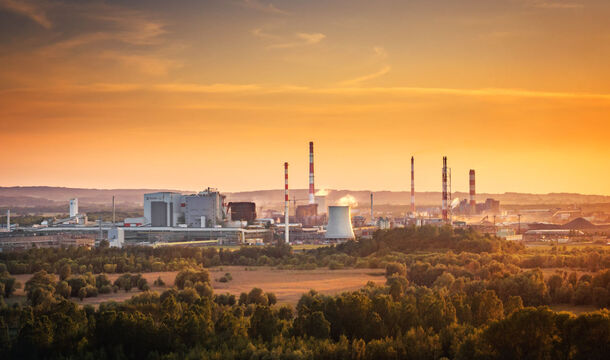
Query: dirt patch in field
x=574, y=309
x=548, y=272
x=288, y=285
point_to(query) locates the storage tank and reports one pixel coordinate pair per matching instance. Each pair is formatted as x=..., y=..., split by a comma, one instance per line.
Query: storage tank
x=339, y=223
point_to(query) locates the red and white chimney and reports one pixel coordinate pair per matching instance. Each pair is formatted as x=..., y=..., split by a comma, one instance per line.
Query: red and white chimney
x=444, y=206
x=312, y=190
x=473, y=202
x=286, y=205
x=412, y=185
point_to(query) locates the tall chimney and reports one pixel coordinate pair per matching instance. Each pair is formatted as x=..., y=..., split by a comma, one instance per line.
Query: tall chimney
x=286, y=205
x=113, y=212
x=8, y=220
x=473, y=202
x=372, y=216
x=444, y=207
x=311, y=185
x=412, y=185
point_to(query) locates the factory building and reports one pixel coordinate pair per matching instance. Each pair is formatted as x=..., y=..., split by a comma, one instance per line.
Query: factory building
x=308, y=215
x=163, y=208
x=205, y=209
x=490, y=206
x=25, y=241
x=242, y=211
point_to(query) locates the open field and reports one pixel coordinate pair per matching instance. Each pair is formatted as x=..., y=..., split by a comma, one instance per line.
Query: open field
x=568, y=246
x=574, y=309
x=288, y=285
x=548, y=272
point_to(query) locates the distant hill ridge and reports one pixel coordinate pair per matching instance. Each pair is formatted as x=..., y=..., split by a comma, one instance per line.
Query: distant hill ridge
x=46, y=195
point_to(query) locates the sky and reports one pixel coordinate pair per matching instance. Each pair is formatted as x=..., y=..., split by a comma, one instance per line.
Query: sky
x=191, y=94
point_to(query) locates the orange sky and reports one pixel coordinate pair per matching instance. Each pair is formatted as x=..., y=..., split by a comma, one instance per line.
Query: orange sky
x=190, y=94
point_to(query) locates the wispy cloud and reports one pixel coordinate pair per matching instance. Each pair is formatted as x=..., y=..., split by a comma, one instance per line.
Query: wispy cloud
x=380, y=52
x=386, y=69
x=555, y=4
x=343, y=90
x=28, y=9
x=264, y=7
x=311, y=38
x=207, y=88
x=261, y=33
x=146, y=64
x=302, y=39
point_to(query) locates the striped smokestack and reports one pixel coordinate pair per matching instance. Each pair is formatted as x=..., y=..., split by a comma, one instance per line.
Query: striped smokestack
x=412, y=185
x=311, y=186
x=444, y=207
x=473, y=202
x=286, y=204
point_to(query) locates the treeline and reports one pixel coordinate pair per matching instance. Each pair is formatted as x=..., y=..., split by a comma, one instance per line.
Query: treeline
x=400, y=320
x=405, y=245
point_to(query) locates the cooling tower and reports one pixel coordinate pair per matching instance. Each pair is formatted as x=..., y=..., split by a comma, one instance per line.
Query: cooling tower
x=339, y=223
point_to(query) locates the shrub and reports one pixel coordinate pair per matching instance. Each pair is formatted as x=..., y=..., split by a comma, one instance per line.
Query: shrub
x=82, y=293
x=191, y=276
x=395, y=268
x=142, y=282
x=335, y=265
x=63, y=289
x=91, y=291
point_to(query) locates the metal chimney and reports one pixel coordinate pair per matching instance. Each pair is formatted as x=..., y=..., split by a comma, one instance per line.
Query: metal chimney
x=412, y=185
x=444, y=205
x=286, y=206
x=473, y=202
x=8, y=220
x=312, y=199
x=113, y=212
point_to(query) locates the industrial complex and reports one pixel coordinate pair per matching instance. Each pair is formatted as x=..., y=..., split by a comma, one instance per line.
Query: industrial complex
x=207, y=218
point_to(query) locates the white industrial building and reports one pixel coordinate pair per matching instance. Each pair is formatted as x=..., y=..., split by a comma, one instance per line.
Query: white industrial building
x=163, y=208
x=205, y=209
x=73, y=207
x=169, y=209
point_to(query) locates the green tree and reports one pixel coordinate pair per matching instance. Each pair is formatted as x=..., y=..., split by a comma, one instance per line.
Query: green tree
x=192, y=276
x=395, y=268
x=63, y=289
x=526, y=334
x=264, y=324
x=313, y=324
x=487, y=307
x=40, y=287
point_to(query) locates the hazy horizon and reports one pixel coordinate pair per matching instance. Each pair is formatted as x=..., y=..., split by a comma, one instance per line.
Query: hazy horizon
x=303, y=189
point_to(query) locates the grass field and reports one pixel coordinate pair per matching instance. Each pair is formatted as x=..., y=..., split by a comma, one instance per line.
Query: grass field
x=288, y=285
x=303, y=247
